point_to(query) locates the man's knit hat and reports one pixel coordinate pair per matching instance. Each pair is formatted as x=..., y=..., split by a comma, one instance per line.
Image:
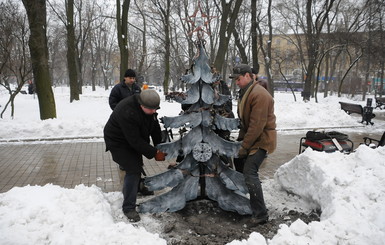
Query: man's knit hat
x=149, y=98
x=130, y=73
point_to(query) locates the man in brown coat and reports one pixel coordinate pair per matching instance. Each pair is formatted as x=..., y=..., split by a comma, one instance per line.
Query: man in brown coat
x=257, y=133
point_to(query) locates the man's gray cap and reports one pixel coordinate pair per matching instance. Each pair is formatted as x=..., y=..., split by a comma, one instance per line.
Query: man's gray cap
x=240, y=69
x=149, y=98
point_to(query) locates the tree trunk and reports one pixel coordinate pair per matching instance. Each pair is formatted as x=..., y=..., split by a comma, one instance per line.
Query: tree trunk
x=228, y=19
x=254, y=35
x=143, y=59
x=311, y=47
x=121, y=23
x=71, y=52
x=267, y=51
x=240, y=47
x=327, y=77
x=36, y=12
x=166, y=14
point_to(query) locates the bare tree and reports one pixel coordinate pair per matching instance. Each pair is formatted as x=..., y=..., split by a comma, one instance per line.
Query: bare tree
x=101, y=48
x=315, y=22
x=68, y=21
x=86, y=15
x=230, y=10
x=36, y=12
x=15, y=66
x=163, y=10
x=267, y=48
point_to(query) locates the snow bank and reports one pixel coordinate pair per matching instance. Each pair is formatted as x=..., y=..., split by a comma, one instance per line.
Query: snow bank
x=54, y=215
x=350, y=191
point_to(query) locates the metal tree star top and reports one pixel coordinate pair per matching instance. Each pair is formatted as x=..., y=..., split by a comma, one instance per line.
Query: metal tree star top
x=197, y=19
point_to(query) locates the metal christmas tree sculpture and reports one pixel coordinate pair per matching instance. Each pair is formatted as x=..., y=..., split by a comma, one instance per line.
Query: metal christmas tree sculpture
x=201, y=173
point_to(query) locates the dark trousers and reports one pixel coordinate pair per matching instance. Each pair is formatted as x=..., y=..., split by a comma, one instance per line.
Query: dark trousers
x=130, y=191
x=250, y=172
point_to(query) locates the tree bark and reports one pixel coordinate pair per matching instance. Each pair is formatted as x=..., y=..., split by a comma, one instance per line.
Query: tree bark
x=228, y=19
x=37, y=12
x=254, y=35
x=121, y=23
x=241, y=48
x=71, y=52
x=166, y=14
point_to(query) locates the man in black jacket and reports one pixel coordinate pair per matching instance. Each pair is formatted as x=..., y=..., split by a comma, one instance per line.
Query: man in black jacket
x=125, y=88
x=127, y=136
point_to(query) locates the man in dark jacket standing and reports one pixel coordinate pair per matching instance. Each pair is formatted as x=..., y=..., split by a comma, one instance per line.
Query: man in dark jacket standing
x=257, y=133
x=125, y=88
x=127, y=136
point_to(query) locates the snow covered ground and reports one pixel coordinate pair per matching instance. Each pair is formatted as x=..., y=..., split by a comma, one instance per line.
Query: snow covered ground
x=86, y=117
x=349, y=189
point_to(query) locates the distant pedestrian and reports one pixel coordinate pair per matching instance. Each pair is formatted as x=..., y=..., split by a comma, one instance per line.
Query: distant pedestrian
x=125, y=88
x=31, y=87
x=258, y=136
x=127, y=136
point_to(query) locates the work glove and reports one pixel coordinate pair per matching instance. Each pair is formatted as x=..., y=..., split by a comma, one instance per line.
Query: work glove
x=160, y=156
x=242, y=153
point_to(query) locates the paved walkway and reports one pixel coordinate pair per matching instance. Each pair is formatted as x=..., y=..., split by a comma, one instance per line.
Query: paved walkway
x=71, y=164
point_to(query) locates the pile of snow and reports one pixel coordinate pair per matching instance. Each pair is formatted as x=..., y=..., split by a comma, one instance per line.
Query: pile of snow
x=350, y=191
x=55, y=215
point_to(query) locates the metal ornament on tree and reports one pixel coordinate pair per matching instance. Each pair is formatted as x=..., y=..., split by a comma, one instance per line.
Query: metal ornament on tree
x=202, y=171
x=202, y=152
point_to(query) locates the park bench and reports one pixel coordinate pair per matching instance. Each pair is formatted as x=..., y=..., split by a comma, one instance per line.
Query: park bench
x=366, y=112
x=380, y=102
x=370, y=141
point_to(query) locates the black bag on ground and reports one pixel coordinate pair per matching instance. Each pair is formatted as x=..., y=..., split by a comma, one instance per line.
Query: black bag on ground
x=315, y=136
x=323, y=141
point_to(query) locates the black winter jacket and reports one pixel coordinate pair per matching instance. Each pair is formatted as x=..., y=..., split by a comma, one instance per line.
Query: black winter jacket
x=121, y=91
x=127, y=134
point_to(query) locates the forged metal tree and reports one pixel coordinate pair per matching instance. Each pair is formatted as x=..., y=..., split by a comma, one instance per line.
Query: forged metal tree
x=37, y=12
x=201, y=172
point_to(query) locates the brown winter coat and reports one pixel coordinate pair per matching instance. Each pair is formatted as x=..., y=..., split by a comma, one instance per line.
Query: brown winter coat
x=256, y=112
